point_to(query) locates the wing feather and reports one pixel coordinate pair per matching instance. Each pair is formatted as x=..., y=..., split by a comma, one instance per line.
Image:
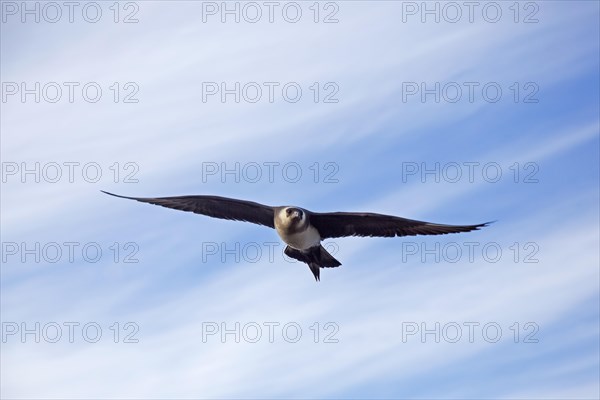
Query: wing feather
x=339, y=224
x=214, y=206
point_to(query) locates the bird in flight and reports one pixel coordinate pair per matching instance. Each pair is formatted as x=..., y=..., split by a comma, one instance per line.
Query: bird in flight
x=303, y=230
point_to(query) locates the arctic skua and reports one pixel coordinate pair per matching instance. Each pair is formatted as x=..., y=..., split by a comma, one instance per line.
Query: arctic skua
x=303, y=230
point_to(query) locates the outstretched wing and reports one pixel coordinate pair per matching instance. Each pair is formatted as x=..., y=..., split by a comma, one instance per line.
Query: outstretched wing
x=214, y=206
x=339, y=224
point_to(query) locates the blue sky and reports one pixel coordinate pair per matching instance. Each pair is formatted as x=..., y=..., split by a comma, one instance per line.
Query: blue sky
x=177, y=289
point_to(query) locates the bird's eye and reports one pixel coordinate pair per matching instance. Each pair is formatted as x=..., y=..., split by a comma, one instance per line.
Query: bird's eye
x=288, y=211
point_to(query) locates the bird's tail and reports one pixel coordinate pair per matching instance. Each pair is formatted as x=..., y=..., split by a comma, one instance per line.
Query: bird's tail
x=327, y=260
x=320, y=258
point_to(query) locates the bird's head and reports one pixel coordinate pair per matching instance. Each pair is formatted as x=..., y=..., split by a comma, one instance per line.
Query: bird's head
x=291, y=219
x=295, y=215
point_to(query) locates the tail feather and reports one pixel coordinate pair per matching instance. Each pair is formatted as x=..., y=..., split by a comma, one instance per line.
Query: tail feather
x=314, y=268
x=320, y=258
x=316, y=258
x=327, y=260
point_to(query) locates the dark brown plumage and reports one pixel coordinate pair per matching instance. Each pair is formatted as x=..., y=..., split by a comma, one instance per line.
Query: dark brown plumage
x=302, y=230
